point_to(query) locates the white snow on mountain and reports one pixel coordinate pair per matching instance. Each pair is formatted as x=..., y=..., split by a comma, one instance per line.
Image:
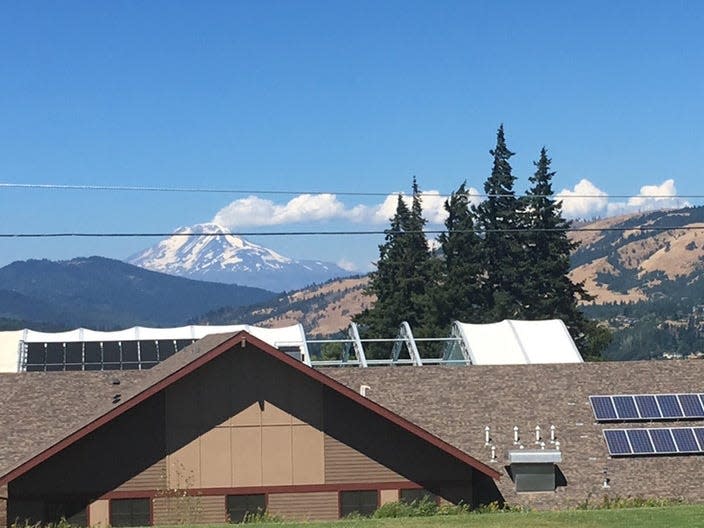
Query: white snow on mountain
x=221, y=257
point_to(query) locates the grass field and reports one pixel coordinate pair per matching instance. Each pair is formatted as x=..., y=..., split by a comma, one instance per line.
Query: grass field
x=674, y=516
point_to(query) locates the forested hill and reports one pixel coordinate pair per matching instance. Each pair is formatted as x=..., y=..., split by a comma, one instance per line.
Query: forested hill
x=105, y=294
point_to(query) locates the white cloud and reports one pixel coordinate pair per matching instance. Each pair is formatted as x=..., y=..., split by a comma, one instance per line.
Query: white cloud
x=586, y=200
x=254, y=211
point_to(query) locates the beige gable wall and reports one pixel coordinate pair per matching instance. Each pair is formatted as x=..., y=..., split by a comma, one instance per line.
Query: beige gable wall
x=256, y=447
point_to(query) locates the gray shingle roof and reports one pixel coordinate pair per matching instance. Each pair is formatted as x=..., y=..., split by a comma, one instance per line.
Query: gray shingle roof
x=39, y=409
x=456, y=403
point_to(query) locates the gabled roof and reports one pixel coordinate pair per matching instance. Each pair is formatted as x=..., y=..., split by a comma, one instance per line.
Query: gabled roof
x=85, y=401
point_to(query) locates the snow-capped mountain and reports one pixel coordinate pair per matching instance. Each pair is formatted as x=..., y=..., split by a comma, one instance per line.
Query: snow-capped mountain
x=220, y=257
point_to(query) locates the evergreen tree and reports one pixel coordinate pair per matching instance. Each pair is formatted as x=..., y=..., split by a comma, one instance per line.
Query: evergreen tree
x=499, y=220
x=402, y=274
x=546, y=281
x=459, y=294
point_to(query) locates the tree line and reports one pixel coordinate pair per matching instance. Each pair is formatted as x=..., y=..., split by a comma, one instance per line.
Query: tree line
x=506, y=258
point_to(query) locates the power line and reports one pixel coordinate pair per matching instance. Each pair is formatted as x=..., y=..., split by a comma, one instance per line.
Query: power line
x=348, y=233
x=210, y=190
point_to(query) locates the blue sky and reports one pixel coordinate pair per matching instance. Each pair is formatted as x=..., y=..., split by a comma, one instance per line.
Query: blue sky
x=334, y=97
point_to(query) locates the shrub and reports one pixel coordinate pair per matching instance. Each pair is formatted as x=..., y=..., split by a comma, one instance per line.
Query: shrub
x=614, y=503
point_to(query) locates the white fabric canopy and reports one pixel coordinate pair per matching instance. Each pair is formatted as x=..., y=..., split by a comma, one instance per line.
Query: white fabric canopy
x=518, y=342
x=10, y=349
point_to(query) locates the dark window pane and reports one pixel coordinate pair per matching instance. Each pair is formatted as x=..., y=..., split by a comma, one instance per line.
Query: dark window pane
x=183, y=343
x=129, y=512
x=111, y=352
x=148, y=365
x=147, y=351
x=361, y=502
x=130, y=366
x=292, y=351
x=93, y=366
x=417, y=495
x=35, y=368
x=73, y=366
x=54, y=368
x=112, y=366
x=166, y=349
x=55, y=353
x=238, y=506
x=74, y=353
x=36, y=354
x=92, y=352
x=129, y=351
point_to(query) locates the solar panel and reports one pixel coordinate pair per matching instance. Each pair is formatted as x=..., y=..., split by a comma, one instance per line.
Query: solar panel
x=647, y=406
x=662, y=441
x=656, y=441
x=699, y=434
x=669, y=406
x=603, y=408
x=625, y=407
x=684, y=438
x=691, y=405
x=617, y=442
x=635, y=407
x=640, y=441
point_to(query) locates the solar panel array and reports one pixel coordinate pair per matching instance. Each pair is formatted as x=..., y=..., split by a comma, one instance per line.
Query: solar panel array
x=100, y=355
x=664, y=441
x=637, y=407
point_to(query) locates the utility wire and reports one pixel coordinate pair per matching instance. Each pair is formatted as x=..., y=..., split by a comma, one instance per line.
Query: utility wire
x=193, y=190
x=348, y=233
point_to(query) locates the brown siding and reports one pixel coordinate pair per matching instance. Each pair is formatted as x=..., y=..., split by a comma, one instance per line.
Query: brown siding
x=152, y=478
x=188, y=510
x=345, y=464
x=254, y=432
x=304, y=506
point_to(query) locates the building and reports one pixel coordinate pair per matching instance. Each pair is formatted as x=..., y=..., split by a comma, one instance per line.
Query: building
x=231, y=424
x=226, y=425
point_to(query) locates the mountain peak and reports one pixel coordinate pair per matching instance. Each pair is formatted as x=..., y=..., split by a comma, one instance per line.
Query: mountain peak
x=208, y=252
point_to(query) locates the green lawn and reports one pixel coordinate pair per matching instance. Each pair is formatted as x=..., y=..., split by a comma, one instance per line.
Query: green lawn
x=674, y=516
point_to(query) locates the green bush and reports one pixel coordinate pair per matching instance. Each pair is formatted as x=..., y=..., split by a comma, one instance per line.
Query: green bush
x=420, y=508
x=615, y=503
x=261, y=516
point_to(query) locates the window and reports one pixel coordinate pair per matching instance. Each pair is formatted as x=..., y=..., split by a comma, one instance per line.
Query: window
x=239, y=506
x=417, y=495
x=130, y=512
x=361, y=502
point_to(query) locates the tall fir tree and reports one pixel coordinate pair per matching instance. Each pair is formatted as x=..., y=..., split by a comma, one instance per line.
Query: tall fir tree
x=460, y=293
x=402, y=274
x=499, y=220
x=546, y=280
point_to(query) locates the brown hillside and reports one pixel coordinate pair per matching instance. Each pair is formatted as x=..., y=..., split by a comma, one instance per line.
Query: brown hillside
x=609, y=254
